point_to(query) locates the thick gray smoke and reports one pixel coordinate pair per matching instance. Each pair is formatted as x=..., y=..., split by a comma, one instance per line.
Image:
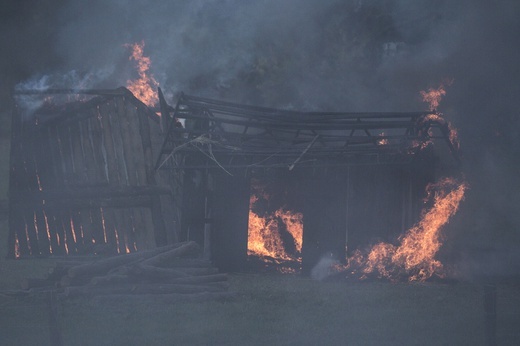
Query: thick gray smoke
x=359, y=55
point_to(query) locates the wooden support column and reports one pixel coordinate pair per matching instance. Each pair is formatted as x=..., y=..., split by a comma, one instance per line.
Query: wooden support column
x=230, y=214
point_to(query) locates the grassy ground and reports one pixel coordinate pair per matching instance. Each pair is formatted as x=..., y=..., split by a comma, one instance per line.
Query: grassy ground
x=269, y=309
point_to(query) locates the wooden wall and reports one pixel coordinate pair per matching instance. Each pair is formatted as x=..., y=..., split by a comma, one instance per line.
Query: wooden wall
x=82, y=179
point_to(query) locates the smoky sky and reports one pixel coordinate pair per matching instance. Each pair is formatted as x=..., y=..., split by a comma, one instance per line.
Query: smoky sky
x=362, y=55
x=355, y=55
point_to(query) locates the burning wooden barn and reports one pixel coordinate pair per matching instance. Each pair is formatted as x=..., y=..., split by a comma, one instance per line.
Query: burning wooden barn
x=109, y=174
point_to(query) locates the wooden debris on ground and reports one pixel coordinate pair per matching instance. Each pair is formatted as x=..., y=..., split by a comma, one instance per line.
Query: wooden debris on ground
x=170, y=273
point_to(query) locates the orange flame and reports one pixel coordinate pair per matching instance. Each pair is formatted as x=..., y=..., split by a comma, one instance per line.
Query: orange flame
x=144, y=86
x=433, y=97
x=48, y=230
x=294, y=224
x=117, y=240
x=127, y=248
x=414, y=257
x=264, y=238
x=16, y=246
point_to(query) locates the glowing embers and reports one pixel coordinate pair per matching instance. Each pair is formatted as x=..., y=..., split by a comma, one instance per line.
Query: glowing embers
x=413, y=259
x=144, y=86
x=275, y=234
x=85, y=232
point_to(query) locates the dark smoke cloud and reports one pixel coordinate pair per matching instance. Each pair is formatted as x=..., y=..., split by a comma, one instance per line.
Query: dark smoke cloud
x=321, y=55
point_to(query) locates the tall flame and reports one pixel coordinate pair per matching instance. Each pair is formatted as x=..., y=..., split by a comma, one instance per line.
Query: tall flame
x=144, y=86
x=414, y=256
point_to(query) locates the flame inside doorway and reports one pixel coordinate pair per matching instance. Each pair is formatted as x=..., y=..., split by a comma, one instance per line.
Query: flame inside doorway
x=274, y=237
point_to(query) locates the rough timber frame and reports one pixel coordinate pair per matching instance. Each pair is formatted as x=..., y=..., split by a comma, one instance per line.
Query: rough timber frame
x=240, y=136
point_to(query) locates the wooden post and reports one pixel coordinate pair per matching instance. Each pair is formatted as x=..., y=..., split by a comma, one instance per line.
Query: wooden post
x=230, y=214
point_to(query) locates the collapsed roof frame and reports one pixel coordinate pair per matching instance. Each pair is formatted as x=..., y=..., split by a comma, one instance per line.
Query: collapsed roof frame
x=232, y=135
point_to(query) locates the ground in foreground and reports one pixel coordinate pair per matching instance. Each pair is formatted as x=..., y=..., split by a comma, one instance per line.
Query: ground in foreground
x=268, y=309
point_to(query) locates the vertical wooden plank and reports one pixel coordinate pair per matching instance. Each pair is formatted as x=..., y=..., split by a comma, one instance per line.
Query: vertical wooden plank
x=130, y=142
x=138, y=229
x=30, y=232
x=85, y=222
x=15, y=222
x=110, y=227
x=118, y=230
x=31, y=183
x=126, y=226
x=40, y=233
x=97, y=226
x=75, y=139
x=51, y=231
x=53, y=149
x=97, y=144
x=93, y=149
x=21, y=237
x=115, y=137
x=144, y=130
x=127, y=139
x=77, y=227
x=136, y=143
x=107, y=140
x=116, y=123
x=44, y=244
x=91, y=175
x=68, y=236
x=56, y=229
x=132, y=243
x=63, y=137
x=120, y=217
